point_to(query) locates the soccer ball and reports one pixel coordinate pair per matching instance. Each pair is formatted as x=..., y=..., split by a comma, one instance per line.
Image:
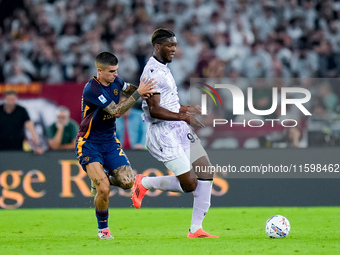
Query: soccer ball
x=277, y=226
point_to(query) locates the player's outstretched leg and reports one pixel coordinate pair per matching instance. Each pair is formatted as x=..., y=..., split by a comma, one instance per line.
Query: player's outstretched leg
x=143, y=183
x=138, y=191
x=202, y=197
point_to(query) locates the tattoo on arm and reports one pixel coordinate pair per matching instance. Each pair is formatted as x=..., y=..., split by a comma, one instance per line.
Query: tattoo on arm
x=119, y=109
x=130, y=89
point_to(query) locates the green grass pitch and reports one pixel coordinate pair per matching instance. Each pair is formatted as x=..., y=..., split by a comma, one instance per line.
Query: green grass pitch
x=314, y=230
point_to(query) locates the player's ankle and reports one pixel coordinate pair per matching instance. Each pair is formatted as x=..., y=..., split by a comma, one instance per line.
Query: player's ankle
x=145, y=182
x=194, y=228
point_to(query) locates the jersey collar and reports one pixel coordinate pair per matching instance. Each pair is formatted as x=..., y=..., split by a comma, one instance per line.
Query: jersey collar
x=158, y=62
x=96, y=79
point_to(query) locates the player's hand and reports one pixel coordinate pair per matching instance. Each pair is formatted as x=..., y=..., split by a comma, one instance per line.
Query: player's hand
x=35, y=139
x=195, y=123
x=145, y=97
x=38, y=150
x=60, y=125
x=145, y=87
x=191, y=120
x=195, y=109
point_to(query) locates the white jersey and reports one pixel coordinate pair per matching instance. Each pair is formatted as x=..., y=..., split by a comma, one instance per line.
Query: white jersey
x=168, y=140
x=166, y=86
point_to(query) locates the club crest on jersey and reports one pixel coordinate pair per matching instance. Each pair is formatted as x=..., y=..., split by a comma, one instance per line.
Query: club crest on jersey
x=102, y=99
x=115, y=92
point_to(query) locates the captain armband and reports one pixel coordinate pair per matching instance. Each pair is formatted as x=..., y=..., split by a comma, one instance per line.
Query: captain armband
x=125, y=86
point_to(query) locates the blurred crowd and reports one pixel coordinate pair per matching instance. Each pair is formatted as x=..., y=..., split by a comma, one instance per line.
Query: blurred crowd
x=56, y=41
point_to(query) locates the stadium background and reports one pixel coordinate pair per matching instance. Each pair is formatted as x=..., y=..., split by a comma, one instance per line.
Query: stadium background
x=47, y=49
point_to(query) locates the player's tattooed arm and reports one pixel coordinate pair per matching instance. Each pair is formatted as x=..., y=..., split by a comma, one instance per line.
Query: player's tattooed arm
x=130, y=89
x=118, y=110
x=145, y=88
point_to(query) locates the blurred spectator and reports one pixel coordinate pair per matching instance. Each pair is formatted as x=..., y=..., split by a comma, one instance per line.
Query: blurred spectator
x=328, y=64
x=181, y=67
x=294, y=136
x=18, y=76
x=262, y=97
x=265, y=22
x=62, y=134
x=328, y=97
x=128, y=64
x=257, y=63
x=16, y=58
x=13, y=121
x=304, y=63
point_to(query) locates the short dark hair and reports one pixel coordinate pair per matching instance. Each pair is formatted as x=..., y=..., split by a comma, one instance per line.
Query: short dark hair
x=160, y=35
x=107, y=59
x=10, y=92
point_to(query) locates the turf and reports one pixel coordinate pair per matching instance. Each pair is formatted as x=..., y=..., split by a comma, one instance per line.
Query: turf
x=314, y=230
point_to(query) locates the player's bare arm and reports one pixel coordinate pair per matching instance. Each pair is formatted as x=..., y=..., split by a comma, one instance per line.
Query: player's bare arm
x=194, y=109
x=119, y=109
x=130, y=89
x=184, y=109
x=159, y=112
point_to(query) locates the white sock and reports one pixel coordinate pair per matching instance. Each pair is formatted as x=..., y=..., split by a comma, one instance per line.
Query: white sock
x=202, y=196
x=165, y=183
x=194, y=228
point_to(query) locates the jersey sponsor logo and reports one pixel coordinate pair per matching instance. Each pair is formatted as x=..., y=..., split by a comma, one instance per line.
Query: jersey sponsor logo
x=115, y=92
x=102, y=99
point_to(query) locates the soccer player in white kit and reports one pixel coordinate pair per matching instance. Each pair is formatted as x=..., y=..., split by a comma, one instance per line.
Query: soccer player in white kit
x=170, y=139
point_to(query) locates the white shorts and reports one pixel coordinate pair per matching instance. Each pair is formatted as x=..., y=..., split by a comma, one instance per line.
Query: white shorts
x=173, y=143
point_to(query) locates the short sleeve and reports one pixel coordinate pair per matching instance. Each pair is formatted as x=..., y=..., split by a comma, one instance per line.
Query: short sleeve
x=122, y=84
x=26, y=117
x=157, y=76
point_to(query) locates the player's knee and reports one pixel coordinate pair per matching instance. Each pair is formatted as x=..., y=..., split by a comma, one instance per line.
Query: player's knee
x=103, y=191
x=190, y=187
